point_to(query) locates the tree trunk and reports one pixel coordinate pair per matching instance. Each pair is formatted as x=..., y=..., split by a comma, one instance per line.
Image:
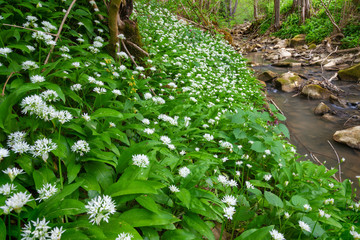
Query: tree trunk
x=234, y=9
x=277, y=13
x=295, y=5
x=256, y=9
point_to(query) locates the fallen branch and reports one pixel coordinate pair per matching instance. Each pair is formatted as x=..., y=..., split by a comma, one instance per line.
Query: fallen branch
x=137, y=47
x=338, y=159
x=127, y=51
x=328, y=13
x=321, y=64
x=349, y=50
x=7, y=80
x=318, y=161
x=59, y=31
x=273, y=103
x=30, y=29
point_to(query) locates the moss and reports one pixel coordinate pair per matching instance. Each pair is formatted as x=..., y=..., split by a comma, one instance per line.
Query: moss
x=312, y=46
x=351, y=73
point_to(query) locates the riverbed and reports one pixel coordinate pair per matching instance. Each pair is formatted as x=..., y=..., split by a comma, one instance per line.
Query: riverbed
x=310, y=133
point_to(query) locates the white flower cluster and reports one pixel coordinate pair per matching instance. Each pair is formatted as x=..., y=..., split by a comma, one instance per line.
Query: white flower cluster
x=13, y=172
x=227, y=145
x=97, y=44
x=42, y=147
x=208, y=137
x=39, y=229
x=124, y=236
x=4, y=153
x=48, y=27
x=172, y=121
x=46, y=191
x=276, y=235
x=80, y=147
x=140, y=160
x=47, y=38
x=7, y=189
x=36, y=105
x=100, y=208
x=158, y=100
x=304, y=226
x=167, y=141
x=5, y=51
x=184, y=172
x=29, y=65
x=174, y=189
x=16, y=202
x=226, y=182
x=31, y=22
x=353, y=233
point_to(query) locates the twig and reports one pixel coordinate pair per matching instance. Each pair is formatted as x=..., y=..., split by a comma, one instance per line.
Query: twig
x=321, y=64
x=137, y=47
x=318, y=161
x=127, y=51
x=59, y=31
x=94, y=5
x=7, y=80
x=276, y=106
x=333, y=77
x=338, y=159
x=15, y=26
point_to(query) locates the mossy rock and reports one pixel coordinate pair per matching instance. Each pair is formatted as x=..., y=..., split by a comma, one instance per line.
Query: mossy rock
x=312, y=46
x=321, y=109
x=266, y=76
x=315, y=92
x=350, y=74
x=288, y=82
x=298, y=40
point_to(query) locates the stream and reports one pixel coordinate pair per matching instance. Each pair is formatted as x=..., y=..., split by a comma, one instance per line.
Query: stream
x=308, y=132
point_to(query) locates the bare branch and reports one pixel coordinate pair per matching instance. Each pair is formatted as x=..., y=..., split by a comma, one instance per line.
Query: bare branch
x=137, y=47
x=7, y=80
x=59, y=31
x=128, y=53
x=338, y=159
x=15, y=26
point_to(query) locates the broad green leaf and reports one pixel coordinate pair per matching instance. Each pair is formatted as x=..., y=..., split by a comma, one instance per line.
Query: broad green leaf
x=74, y=234
x=243, y=214
x=2, y=230
x=72, y=171
x=284, y=130
x=42, y=176
x=258, y=234
x=103, y=173
x=184, y=196
x=319, y=231
x=298, y=201
x=178, y=234
x=134, y=187
x=105, y=113
x=139, y=217
x=57, y=89
x=195, y=222
x=273, y=199
x=258, y=147
x=68, y=207
x=150, y=233
x=148, y=203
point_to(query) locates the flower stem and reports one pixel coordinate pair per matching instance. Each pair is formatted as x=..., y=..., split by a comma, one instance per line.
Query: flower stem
x=222, y=230
x=60, y=171
x=19, y=225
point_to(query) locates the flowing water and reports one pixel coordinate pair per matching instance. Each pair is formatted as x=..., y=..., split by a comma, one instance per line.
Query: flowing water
x=311, y=133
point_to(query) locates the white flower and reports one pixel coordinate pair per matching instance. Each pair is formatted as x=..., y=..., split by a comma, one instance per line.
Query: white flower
x=7, y=188
x=122, y=55
x=55, y=234
x=331, y=185
x=80, y=147
x=225, y=159
x=267, y=177
x=76, y=64
x=173, y=188
x=97, y=44
x=66, y=56
x=229, y=212
x=230, y=200
x=307, y=207
x=182, y=153
x=29, y=65
x=111, y=124
x=124, y=236
x=36, y=230
x=232, y=183
x=353, y=233
x=158, y=100
x=121, y=36
x=76, y=87
x=18, y=200
x=100, y=208
x=145, y=121
x=249, y=185
x=42, y=147
x=304, y=226
x=116, y=92
x=184, y=172
x=86, y=117
x=208, y=137
x=149, y=130
x=49, y=95
x=329, y=201
x=13, y=172
x=64, y=116
x=64, y=49
x=5, y=51
x=6, y=209
x=4, y=153
x=139, y=68
x=48, y=26
x=267, y=152
x=165, y=139
x=46, y=191
x=147, y=96
x=140, y=160
x=276, y=235
x=99, y=90
x=187, y=121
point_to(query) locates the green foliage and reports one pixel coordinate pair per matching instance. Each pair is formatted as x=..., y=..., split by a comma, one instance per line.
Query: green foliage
x=352, y=35
x=161, y=151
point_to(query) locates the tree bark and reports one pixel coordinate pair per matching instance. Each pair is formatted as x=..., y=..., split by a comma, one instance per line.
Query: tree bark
x=277, y=13
x=256, y=9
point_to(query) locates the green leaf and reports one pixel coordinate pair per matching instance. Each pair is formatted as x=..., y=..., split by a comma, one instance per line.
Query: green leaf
x=298, y=201
x=184, y=196
x=119, y=135
x=284, y=130
x=72, y=171
x=68, y=207
x=319, y=231
x=258, y=147
x=148, y=203
x=2, y=230
x=103, y=173
x=57, y=89
x=258, y=234
x=134, y=187
x=273, y=199
x=105, y=113
x=138, y=217
x=178, y=234
x=74, y=234
x=195, y=222
x=243, y=213
x=42, y=176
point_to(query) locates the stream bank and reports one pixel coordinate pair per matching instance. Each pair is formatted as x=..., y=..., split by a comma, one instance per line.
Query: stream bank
x=312, y=134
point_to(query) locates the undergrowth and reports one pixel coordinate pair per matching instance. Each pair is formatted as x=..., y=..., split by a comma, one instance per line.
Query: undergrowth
x=97, y=148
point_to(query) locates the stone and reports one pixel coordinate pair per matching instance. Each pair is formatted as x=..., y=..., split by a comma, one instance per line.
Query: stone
x=282, y=64
x=350, y=74
x=314, y=91
x=312, y=46
x=298, y=40
x=288, y=82
x=283, y=53
x=266, y=76
x=281, y=44
x=338, y=101
x=350, y=137
x=331, y=118
x=321, y=109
